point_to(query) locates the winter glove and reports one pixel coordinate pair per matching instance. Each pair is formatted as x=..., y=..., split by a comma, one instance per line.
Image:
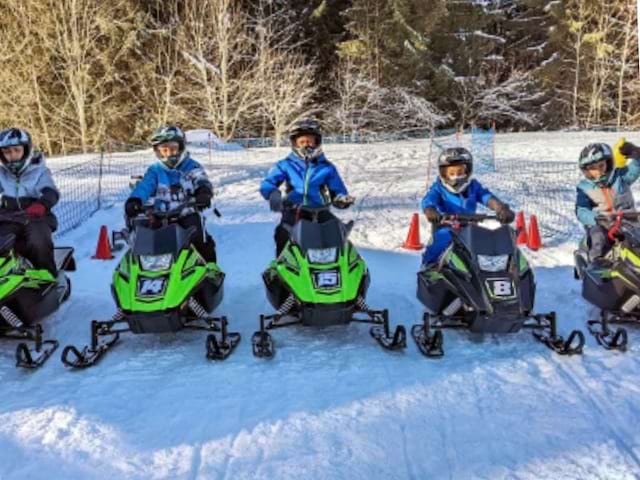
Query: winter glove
x=432, y=215
x=629, y=150
x=36, y=210
x=275, y=201
x=132, y=207
x=203, y=197
x=343, y=201
x=503, y=212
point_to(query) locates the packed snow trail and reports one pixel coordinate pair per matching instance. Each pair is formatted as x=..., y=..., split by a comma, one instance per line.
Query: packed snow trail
x=331, y=404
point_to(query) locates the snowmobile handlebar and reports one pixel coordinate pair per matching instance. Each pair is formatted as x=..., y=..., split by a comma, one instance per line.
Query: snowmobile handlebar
x=448, y=219
x=622, y=214
x=19, y=217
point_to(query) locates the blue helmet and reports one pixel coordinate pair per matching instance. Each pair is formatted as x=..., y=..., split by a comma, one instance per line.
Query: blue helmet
x=13, y=137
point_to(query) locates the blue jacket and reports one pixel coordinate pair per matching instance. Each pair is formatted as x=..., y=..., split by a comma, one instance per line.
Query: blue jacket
x=159, y=179
x=304, y=180
x=593, y=199
x=447, y=202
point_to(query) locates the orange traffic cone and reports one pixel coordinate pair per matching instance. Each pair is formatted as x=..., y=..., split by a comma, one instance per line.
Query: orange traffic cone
x=103, y=250
x=413, y=237
x=534, y=242
x=521, y=229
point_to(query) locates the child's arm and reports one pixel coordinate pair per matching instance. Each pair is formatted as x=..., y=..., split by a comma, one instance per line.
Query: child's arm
x=584, y=209
x=335, y=184
x=49, y=194
x=272, y=181
x=432, y=198
x=146, y=187
x=631, y=172
x=483, y=195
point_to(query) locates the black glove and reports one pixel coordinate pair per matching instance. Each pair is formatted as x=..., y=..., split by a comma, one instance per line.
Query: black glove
x=505, y=214
x=132, y=207
x=203, y=196
x=275, y=201
x=629, y=150
x=432, y=215
x=343, y=201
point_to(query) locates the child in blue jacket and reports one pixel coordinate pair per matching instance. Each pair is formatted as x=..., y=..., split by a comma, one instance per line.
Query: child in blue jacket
x=310, y=179
x=455, y=192
x=172, y=177
x=604, y=189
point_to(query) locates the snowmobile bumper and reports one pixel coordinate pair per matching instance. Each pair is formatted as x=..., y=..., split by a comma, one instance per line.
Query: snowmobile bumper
x=320, y=315
x=155, y=322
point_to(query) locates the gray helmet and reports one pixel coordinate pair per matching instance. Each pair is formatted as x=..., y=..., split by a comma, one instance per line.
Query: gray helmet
x=170, y=133
x=308, y=126
x=13, y=137
x=594, y=152
x=455, y=156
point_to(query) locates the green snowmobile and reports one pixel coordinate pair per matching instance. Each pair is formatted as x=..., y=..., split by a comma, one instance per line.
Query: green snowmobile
x=27, y=295
x=162, y=284
x=318, y=280
x=615, y=290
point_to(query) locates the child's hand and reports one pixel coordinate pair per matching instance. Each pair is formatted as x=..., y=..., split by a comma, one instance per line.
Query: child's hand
x=630, y=150
x=36, y=210
x=432, y=215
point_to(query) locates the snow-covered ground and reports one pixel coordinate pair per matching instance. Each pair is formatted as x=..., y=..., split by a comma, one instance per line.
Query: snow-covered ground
x=331, y=404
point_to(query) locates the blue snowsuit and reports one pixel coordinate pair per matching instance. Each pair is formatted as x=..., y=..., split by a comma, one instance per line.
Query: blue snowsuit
x=447, y=202
x=304, y=180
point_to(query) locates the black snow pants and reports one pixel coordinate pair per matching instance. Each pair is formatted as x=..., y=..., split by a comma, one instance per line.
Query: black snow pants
x=201, y=240
x=598, y=241
x=34, y=242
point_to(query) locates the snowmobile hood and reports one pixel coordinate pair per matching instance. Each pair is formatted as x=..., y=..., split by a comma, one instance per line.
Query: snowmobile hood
x=169, y=239
x=483, y=241
x=330, y=234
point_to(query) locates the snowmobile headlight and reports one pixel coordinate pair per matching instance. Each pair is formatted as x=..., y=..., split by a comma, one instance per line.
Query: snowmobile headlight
x=322, y=255
x=493, y=263
x=155, y=263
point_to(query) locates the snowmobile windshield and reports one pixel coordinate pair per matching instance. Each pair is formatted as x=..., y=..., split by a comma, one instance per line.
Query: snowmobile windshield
x=483, y=241
x=158, y=241
x=331, y=233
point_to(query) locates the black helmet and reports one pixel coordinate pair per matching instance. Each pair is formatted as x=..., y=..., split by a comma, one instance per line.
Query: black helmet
x=170, y=133
x=306, y=126
x=12, y=137
x=594, y=152
x=455, y=156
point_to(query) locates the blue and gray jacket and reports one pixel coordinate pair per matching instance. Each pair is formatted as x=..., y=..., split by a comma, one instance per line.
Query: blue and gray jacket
x=447, y=202
x=159, y=180
x=305, y=181
x=593, y=199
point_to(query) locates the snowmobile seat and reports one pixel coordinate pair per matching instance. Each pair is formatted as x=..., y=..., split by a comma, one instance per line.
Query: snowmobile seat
x=63, y=257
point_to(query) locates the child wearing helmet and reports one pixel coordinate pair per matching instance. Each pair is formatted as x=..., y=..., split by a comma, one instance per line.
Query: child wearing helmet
x=604, y=189
x=27, y=187
x=175, y=176
x=309, y=178
x=455, y=192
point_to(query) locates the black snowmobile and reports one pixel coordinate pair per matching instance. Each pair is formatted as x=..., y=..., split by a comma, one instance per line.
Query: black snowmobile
x=318, y=280
x=162, y=284
x=614, y=290
x=27, y=295
x=483, y=283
